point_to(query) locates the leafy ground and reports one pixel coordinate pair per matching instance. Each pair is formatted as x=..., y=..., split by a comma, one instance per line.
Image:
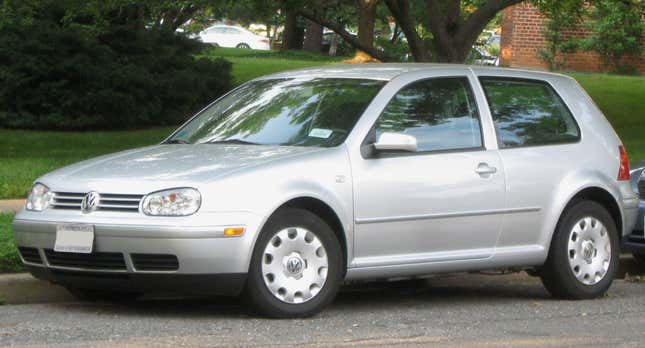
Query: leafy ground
x=25, y=155
x=9, y=260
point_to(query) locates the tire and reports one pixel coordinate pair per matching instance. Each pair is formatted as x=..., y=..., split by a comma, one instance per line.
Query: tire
x=243, y=45
x=579, y=266
x=288, y=256
x=91, y=295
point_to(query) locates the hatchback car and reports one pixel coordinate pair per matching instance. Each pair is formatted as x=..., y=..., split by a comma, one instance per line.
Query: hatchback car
x=232, y=36
x=295, y=182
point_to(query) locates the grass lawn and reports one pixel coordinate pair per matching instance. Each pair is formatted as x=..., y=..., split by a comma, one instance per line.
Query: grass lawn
x=622, y=100
x=25, y=155
x=249, y=64
x=9, y=260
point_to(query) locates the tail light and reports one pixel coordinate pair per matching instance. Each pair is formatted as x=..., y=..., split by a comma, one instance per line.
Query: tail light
x=264, y=40
x=623, y=171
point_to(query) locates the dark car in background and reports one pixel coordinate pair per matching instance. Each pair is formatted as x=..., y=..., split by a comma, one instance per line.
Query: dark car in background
x=635, y=242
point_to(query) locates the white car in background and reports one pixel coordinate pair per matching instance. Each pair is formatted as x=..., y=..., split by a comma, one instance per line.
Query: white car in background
x=232, y=36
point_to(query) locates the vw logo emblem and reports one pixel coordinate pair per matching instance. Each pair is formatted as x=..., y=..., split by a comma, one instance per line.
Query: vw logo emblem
x=294, y=265
x=90, y=202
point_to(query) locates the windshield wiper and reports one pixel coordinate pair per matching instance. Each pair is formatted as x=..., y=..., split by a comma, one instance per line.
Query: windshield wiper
x=232, y=141
x=177, y=141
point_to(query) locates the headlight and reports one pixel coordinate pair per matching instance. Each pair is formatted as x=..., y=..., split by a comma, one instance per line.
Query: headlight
x=39, y=198
x=173, y=202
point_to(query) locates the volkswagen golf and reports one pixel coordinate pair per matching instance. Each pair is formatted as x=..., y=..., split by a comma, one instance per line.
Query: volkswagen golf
x=294, y=183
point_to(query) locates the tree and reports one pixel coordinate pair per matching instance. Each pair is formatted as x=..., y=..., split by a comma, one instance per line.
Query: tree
x=454, y=26
x=338, y=15
x=313, y=37
x=561, y=16
x=616, y=28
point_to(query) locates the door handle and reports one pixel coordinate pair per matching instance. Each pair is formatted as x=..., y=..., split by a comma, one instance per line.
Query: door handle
x=485, y=170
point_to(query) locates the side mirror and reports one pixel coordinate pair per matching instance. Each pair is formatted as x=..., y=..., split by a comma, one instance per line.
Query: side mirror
x=396, y=142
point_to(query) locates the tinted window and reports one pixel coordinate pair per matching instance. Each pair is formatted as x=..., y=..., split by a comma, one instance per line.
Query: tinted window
x=440, y=113
x=528, y=113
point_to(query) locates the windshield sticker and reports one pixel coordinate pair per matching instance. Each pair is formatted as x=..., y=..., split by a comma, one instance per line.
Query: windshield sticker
x=320, y=133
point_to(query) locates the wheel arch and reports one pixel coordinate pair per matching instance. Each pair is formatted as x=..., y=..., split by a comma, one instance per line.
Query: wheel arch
x=595, y=193
x=324, y=211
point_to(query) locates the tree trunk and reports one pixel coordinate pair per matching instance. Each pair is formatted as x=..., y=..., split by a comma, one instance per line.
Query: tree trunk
x=366, y=19
x=400, y=10
x=313, y=37
x=292, y=37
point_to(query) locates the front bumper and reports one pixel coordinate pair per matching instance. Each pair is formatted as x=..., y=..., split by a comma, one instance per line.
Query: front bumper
x=206, y=261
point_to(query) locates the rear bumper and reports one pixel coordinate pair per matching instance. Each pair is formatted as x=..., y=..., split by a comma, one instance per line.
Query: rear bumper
x=230, y=284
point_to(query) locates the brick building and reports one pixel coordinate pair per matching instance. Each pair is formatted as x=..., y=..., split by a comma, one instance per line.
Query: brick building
x=522, y=38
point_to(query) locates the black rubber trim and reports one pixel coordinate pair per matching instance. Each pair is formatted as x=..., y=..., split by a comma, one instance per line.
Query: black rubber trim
x=228, y=284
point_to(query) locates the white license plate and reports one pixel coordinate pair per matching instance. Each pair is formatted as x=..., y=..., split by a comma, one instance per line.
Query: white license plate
x=74, y=238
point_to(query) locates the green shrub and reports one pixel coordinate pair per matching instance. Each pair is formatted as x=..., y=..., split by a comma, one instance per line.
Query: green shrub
x=56, y=77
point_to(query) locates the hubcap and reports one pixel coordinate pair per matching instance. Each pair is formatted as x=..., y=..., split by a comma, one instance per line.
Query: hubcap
x=589, y=250
x=294, y=265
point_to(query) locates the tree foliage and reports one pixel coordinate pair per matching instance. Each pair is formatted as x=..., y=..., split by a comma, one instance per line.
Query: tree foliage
x=64, y=68
x=616, y=28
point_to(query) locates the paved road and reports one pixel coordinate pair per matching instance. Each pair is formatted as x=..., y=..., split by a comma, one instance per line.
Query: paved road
x=464, y=311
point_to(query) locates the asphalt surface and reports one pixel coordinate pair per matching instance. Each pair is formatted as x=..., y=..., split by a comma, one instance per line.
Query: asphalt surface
x=464, y=310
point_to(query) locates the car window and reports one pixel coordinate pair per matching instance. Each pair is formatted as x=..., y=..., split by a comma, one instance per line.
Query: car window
x=441, y=113
x=295, y=112
x=216, y=30
x=233, y=31
x=528, y=113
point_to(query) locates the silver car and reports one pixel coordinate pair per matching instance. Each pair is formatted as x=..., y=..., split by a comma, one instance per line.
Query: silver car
x=295, y=182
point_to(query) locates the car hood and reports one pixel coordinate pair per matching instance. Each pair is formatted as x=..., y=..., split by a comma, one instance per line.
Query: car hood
x=168, y=165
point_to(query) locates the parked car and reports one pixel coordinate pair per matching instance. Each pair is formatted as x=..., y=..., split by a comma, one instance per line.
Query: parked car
x=232, y=36
x=635, y=242
x=295, y=182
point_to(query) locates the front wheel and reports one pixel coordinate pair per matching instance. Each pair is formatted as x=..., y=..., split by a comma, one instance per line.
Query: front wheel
x=296, y=268
x=583, y=258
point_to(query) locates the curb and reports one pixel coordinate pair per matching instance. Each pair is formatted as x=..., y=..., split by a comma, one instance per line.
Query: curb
x=22, y=288
x=11, y=205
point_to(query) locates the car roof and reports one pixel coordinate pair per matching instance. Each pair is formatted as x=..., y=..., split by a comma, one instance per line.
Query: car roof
x=388, y=71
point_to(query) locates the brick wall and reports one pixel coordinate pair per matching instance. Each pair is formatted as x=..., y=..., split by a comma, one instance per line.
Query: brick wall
x=522, y=38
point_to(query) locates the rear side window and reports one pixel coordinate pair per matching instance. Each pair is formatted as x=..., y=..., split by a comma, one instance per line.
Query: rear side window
x=440, y=113
x=528, y=113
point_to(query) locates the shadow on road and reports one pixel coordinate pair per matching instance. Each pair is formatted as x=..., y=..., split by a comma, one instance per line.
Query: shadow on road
x=461, y=290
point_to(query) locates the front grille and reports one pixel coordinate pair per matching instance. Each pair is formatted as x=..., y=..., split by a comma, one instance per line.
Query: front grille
x=641, y=188
x=102, y=261
x=30, y=255
x=155, y=262
x=108, y=202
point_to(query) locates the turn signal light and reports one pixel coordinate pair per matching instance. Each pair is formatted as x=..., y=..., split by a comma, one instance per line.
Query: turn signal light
x=233, y=231
x=623, y=171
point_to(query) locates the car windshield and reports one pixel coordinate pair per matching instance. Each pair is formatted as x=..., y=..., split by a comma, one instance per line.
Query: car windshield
x=295, y=112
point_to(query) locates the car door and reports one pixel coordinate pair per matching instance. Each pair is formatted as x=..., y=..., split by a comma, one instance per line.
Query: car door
x=443, y=201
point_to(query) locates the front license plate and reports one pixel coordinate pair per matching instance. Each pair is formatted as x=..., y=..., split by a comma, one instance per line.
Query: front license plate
x=74, y=238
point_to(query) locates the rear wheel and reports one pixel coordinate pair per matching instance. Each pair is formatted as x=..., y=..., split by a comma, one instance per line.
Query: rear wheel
x=296, y=266
x=583, y=258
x=243, y=45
